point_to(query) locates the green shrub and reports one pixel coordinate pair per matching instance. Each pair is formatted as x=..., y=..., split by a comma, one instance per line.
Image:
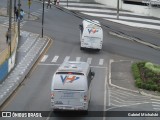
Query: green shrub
x=158, y=88
x=135, y=70
x=143, y=85
x=155, y=79
x=141, y=64
x=145, y=75
x=153, y=67
x=149, y=74
x=150, y=82
x=148, y=86
x=154, y=87
x=138, y=83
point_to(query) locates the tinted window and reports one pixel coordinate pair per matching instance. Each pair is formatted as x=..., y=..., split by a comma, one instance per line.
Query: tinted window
x=70, y=73
x=89, y=78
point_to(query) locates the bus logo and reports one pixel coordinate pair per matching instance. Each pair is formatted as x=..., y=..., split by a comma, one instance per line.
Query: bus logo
x=68, y=79
x=93, y=30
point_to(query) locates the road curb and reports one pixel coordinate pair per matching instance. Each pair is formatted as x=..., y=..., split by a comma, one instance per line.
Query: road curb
x=150, y=95
x=134, y=40
x=122, y=88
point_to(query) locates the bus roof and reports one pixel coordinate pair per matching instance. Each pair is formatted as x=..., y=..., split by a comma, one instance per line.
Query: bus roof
x=91, y=23
x=74, y=66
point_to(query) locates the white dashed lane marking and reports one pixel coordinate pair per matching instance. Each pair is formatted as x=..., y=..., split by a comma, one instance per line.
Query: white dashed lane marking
x=44, y=58
x=55, y=58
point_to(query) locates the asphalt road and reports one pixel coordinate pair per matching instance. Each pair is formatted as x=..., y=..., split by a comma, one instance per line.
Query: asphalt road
x=34, y=93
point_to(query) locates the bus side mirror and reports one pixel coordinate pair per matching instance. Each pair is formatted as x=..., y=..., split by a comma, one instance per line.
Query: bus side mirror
x=92, y=75
x=80, y=27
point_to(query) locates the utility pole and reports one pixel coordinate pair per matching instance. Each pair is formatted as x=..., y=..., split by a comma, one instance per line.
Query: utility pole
x=14, y=8
x=42, y=18
x=10, y=25
x=117, y=9
x=19, y=7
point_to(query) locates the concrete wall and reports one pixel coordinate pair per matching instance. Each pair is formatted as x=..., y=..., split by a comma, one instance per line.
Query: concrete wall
x=9, y=63
x=3, y=70
x=146, y=10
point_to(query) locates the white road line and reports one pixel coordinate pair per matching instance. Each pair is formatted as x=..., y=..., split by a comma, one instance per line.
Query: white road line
x=127, y=101
x=5, y=25
x=134, y=24
x=39, y=9
x=101, y=61
x=114, y=105
x=105, y=95
x=127, y=105
x=44, y=58
x=67, y=58
x=119, y=95
x=59, y=64
x=78, y=58
x=85, y=5
x=35, y=13
x=100, y=10
x=156, y=106
x=155, y=100
x=156, y=103
x=117, y=101
x=55, y=58
x=49, y=115
x=122, y=17
x=125, y=93
x=89, y=60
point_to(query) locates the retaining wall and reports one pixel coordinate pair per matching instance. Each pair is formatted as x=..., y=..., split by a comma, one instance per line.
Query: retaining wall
x=7, y=62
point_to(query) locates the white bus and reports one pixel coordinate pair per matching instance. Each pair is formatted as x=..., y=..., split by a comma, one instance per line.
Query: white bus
x=91, y=35
x=71, y=86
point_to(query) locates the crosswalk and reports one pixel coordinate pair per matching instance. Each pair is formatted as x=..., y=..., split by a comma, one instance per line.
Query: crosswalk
x=5, y=20
x=106, y=13
x=6, y=23
x=59, y=59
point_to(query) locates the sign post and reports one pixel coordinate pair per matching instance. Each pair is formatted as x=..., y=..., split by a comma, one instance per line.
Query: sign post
x=42, y=18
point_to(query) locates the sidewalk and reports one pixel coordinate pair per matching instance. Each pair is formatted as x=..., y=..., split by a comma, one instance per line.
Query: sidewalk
x=3, y=12
x=107, y=13
x=29, y=50
x=30, y=46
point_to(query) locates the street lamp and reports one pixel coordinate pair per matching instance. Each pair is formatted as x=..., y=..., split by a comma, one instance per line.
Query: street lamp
x=19, y=7
x=42, y=18
x=117, y=9
x=14, y=8
x=10, y=25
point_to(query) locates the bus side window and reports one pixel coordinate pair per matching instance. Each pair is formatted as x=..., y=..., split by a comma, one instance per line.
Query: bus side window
x=81, y=28
x=89, y=78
